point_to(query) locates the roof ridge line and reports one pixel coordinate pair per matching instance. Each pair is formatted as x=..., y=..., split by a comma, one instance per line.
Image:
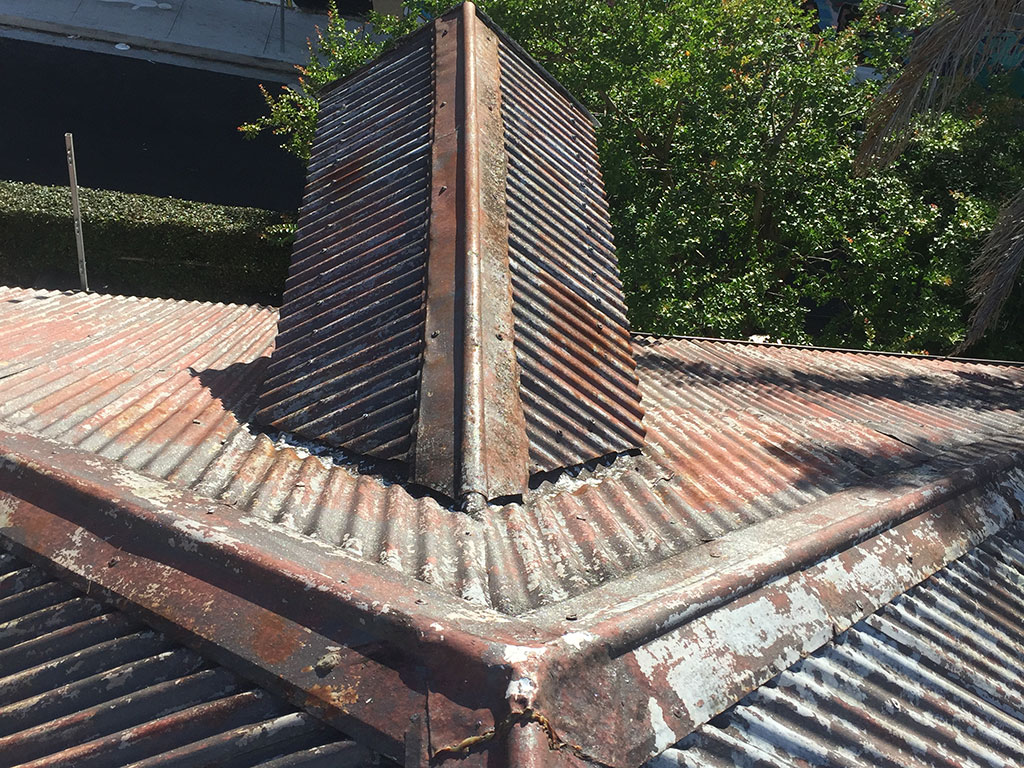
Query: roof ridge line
x=810, y=347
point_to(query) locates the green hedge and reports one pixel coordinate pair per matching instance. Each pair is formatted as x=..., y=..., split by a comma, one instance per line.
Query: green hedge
x=141, y=245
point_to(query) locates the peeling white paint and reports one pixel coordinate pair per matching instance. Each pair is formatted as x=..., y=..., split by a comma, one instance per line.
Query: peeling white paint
x=699, y=660
x=7, y=507
x=391, y=559
x=474, y=592
x=521, y=688
x=664, y=737
x=154, y=491
x=352, y=544
x=578, y=639
x=517, y=654
x=69, y=557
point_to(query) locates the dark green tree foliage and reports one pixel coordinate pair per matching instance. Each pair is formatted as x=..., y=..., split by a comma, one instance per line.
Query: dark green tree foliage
x=728, y=135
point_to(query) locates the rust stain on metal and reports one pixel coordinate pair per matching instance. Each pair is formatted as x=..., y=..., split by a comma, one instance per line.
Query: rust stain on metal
x=520, y=719
x=738, y=435
x=274, y=640
x=521, y=360
x=494, y=430
x=668, y=653
x=85, y=684
x=580, y=393
x=683, y=677
x=435, y=450
x=339, y=696
x=471, y=437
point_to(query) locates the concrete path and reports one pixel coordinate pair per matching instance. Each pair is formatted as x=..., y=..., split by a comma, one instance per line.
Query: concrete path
x=237, y=34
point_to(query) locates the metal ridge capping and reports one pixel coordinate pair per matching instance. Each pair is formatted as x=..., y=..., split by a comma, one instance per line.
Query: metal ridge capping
x=937, y=674
x=453, y=302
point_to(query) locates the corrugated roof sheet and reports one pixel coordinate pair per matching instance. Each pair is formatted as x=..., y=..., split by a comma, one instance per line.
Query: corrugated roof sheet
x=346, y=366
x=84, y=685
x=578, y=380
x=736, y=433
x=934, y=678
x=453, y=301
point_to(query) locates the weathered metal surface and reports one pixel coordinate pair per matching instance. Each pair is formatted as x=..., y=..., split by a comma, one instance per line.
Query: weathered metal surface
x=738, y=434
x=483, y=677
x=83, y=685
x=470, y=436
x=781, y=495
x=687, y=645
x=664, y=640
x=526, y=364
x=932, y=679
x=436, y=449
x=579, y=386
x=495, y=448
x=280, y=608
x=347, y=362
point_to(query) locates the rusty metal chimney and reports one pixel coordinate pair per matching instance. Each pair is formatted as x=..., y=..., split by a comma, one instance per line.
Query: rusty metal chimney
x=453, y=301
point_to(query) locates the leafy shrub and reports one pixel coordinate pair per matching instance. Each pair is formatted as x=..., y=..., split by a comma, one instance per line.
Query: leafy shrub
x=142, y=245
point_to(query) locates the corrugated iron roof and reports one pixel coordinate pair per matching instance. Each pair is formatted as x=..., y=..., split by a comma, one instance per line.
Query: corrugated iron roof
x=579, y=388
x=598, y=614
x=737, y=434
x=83, y=684
x=346, y=366
x=783, y=494
x=934, y=678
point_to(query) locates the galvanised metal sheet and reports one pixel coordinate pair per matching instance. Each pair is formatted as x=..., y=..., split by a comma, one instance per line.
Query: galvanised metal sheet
x=578, y=381
x=736, y=434
x=934, y=678
x=85, y=685
x=346, y=367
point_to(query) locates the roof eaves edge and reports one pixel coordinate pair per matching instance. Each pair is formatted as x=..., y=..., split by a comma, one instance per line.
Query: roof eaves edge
x=570, y=663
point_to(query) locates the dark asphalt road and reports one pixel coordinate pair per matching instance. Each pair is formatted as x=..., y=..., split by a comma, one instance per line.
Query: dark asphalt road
x=139, y=127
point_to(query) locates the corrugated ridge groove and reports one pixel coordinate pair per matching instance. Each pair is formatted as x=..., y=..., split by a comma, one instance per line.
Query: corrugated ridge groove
x=932, y=679
x=83, y=686
x=578, y=379
x=350, y=335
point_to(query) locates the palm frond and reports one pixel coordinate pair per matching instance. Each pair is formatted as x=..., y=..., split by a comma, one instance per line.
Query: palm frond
x=995, y=270
x=943, y=59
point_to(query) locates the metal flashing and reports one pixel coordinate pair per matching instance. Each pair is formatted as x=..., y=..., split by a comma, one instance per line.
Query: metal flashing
x=471, y=437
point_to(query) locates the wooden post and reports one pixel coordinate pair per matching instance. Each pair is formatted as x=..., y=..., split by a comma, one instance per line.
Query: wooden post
x=69, y=143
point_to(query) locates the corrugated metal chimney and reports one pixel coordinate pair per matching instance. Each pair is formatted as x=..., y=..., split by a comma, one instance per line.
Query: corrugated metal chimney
x=453, y=301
